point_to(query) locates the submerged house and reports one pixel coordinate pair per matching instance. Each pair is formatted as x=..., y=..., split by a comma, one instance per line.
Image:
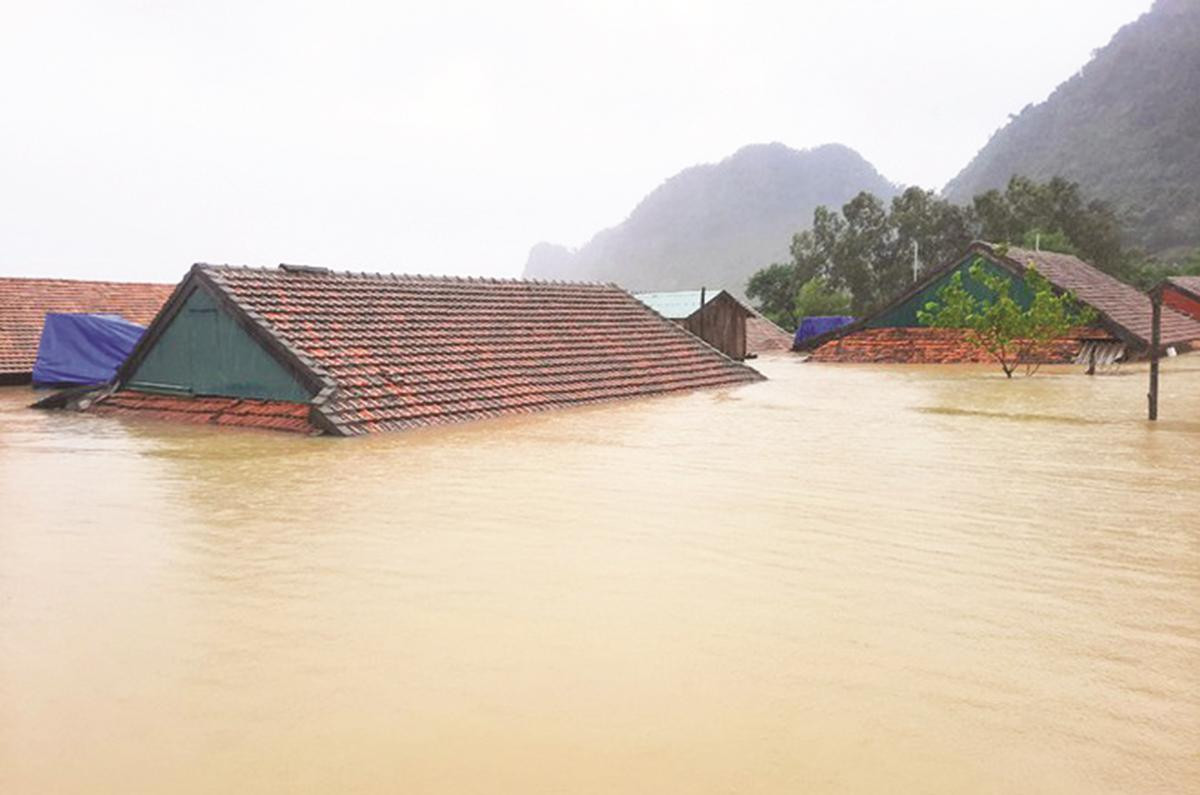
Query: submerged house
x=24, y=304
x=1121, y=331
x=1175, y=295
x=721, y=320
x=311, y=350
x=1182, y=294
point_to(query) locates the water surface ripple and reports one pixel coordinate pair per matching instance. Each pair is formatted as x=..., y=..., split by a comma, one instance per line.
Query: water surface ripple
x=845, y=579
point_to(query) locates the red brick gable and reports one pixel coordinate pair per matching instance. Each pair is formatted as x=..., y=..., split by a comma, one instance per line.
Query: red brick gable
x=395, y=352
x=25, y=302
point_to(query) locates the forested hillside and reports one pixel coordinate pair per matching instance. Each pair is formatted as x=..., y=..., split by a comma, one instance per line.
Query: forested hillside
x=1126, y=128
x=715, y=224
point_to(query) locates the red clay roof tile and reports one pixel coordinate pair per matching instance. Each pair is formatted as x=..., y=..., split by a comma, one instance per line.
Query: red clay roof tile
x=1189, y=283
x=1121, y=303
x=401, y=352
x=1182, y=294
x=243, y=413
x=763, y=336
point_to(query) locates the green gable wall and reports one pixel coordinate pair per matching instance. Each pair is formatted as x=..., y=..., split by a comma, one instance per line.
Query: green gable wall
x=205, y=352
x=905, y=315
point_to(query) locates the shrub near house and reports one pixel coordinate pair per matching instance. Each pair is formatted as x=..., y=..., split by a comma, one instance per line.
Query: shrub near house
x=1120, y=328
x=1009, y=332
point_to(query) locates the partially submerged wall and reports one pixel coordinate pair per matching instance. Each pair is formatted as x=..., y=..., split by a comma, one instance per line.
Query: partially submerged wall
x=918, y=345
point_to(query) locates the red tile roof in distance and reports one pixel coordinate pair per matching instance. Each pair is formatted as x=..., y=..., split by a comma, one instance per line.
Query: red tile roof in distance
x=763, y=336
x=25, y=302
x=399, y=352
x=237, y=412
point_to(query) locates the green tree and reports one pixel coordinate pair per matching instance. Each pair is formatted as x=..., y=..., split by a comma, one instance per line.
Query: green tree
x=816, y=298
x=1058, y=214
x=1145, y=273
x=998, y=324
x=867, y=249
x=773, y=289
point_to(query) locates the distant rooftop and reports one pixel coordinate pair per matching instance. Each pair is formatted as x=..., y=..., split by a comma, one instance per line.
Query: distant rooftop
x=1189, y=283
x=25, y=302
x=678, y=304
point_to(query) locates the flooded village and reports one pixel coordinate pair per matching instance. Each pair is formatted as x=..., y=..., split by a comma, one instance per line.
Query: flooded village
x=732, y=580
x=797, y=479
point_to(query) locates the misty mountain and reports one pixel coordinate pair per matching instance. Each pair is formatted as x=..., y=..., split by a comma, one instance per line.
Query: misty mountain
x=1126, y=127
x=715, y=224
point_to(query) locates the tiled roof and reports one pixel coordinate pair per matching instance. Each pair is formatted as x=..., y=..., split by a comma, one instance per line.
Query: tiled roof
x=25, y=302
x=1182, y=294
x=397, y=352
x=239, y=412
x=678, y=304
x=1121, y=304
x=1123, y=309
x=1189, y=283
x=763, y=336
x=905, y=345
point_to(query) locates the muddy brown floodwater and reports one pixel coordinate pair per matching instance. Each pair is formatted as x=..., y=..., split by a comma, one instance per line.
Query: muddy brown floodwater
x=845, y=579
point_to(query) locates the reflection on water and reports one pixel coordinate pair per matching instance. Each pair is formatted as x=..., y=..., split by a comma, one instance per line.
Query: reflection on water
x=844, y=579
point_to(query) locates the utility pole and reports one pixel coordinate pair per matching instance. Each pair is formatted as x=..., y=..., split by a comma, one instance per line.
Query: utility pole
x=916, y=261
x=1155, y=340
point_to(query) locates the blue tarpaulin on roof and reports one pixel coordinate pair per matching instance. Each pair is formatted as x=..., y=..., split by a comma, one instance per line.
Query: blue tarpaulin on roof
x=814, y=326
x=83, y=349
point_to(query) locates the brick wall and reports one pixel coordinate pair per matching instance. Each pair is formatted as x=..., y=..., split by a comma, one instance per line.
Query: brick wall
x=923, y=346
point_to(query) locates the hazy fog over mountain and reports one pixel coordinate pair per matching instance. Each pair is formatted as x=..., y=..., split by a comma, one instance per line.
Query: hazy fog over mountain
x=450, y=137
x=716, y=224
x=1126, y=127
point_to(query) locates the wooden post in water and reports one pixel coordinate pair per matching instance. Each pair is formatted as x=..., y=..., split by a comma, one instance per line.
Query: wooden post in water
x=1155, y=338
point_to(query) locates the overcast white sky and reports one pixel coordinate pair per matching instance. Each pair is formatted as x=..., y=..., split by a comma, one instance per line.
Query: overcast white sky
x=139, y=136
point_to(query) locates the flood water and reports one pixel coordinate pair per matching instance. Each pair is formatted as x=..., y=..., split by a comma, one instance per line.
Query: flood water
x=844, y=579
